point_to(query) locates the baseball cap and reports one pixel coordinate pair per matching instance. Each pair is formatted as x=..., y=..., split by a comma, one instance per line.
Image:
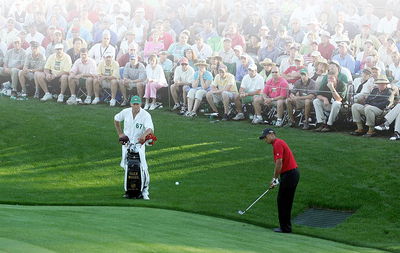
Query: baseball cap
x=136, y=100
x=59, y=46
x=266, y=132
x=303, y=71
x=183, y=60
x=252, y=67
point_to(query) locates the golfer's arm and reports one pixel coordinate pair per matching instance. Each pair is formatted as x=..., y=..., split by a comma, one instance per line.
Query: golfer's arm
x=117, y=125
x=278, y=167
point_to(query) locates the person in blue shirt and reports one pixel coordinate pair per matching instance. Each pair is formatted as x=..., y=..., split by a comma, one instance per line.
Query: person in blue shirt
x=344, y=58
x=200, y=86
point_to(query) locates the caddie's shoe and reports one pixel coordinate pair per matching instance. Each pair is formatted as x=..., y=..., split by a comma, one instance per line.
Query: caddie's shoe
x=239, y=116
x=382, y=127
x=146, y=197
x=60, y=98
x=358, y=132
x=395, y=137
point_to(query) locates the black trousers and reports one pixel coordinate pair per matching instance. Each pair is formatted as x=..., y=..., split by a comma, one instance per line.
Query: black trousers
x=287, y=189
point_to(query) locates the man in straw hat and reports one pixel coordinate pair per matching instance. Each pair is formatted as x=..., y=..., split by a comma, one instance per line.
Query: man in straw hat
x=376, y=102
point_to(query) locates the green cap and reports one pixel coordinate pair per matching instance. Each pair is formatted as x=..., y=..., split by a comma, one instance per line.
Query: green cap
x=136, y=100
x=303, y=71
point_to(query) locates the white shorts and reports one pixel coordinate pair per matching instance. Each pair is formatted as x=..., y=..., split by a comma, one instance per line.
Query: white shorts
x=218, y=97
x=106, y=84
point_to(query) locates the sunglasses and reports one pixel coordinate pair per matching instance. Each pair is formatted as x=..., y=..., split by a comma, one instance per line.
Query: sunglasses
x=274, y=72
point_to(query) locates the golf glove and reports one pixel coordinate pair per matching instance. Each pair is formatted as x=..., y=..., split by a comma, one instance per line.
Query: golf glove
x=275, y=181
x=123, y=140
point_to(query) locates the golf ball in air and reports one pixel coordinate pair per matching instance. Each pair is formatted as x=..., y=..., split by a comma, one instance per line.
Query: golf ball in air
x=176, y=183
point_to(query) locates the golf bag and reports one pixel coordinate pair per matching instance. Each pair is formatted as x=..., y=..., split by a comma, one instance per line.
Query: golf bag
x=134, y=174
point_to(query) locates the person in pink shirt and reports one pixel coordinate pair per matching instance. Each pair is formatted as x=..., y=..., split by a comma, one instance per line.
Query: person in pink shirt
x=274, y=94
x=82, y=72
x=153, y=45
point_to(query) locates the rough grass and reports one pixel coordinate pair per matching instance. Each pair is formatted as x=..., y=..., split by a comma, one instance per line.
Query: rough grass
x=54, y=154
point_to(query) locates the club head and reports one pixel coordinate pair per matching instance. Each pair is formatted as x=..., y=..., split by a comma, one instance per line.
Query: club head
x=240, y=212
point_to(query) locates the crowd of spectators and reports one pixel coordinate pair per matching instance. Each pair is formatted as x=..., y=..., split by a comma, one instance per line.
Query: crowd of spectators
x=287, y=55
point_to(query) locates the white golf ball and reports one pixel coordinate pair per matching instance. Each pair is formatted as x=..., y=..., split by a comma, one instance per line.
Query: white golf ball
x=176, y=183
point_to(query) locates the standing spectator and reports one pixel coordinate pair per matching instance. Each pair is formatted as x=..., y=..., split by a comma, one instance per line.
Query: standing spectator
x=34, y=62
x=56, y=72
x=13, y=63
x=155, y=80
x=274, y=94
x=140, y=26
x=83, y=71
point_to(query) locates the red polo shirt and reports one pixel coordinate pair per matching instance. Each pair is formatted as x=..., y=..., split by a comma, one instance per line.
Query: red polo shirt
x=282, y=151
x=275, y=89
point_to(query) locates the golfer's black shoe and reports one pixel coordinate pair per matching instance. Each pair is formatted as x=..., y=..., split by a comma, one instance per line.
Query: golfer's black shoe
x=279, y=230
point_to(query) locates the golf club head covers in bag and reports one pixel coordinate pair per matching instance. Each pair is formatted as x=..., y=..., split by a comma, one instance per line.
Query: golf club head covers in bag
x=134, y=174
x=150, y=140
x=123, y=140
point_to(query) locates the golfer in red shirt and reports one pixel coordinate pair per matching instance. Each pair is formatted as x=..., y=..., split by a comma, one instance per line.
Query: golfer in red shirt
x=286, y=170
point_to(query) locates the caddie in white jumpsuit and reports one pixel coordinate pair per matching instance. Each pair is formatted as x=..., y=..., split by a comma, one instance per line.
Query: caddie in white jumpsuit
x=137, y=125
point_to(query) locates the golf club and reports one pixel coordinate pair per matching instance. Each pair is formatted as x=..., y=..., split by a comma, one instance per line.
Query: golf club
x=262, y=195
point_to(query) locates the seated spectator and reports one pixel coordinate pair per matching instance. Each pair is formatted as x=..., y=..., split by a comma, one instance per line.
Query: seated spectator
x=13, y=63
x=368, y=50
x=75, y=51
x=301, y=96
x=191, y=56
x=215, y=62
x=267, y=68
x=166, y=64
x=75, y=33
x=57, y=39
x=325, y=47
x=311, y=67
x=183, y=78
x=270, y=51
x=56, y=72
x=224, y=90
x=153, y=46
x=365, y=35
x=274, y=94
x=9, y=33
x=251, y=85
x=177, y=48
x=394, y=68
x=296, y=31
x=386, y=50
x=339, y=35
x=99, y=50
x=289, y=61
x=377, y=101
x=98, y=32
x=242, y=68
x=34, y=62
x=344, y=58
x=227, y=53
x=125, y=58
x=202, y=50
x=83, y=71
x=392, y=115
x=155, y=80
x=321, y=71
x=126, y=43
x=233, y=33
x=134, y=77
x=329, y=99
x=108, y=75
x=118, y=27
x=253, y=46
x=200, y=87
x=292, y=74
x=363, y=86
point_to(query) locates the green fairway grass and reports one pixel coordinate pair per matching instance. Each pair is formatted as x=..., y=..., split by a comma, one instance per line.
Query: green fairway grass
x=54, y=154
x=135, y=229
